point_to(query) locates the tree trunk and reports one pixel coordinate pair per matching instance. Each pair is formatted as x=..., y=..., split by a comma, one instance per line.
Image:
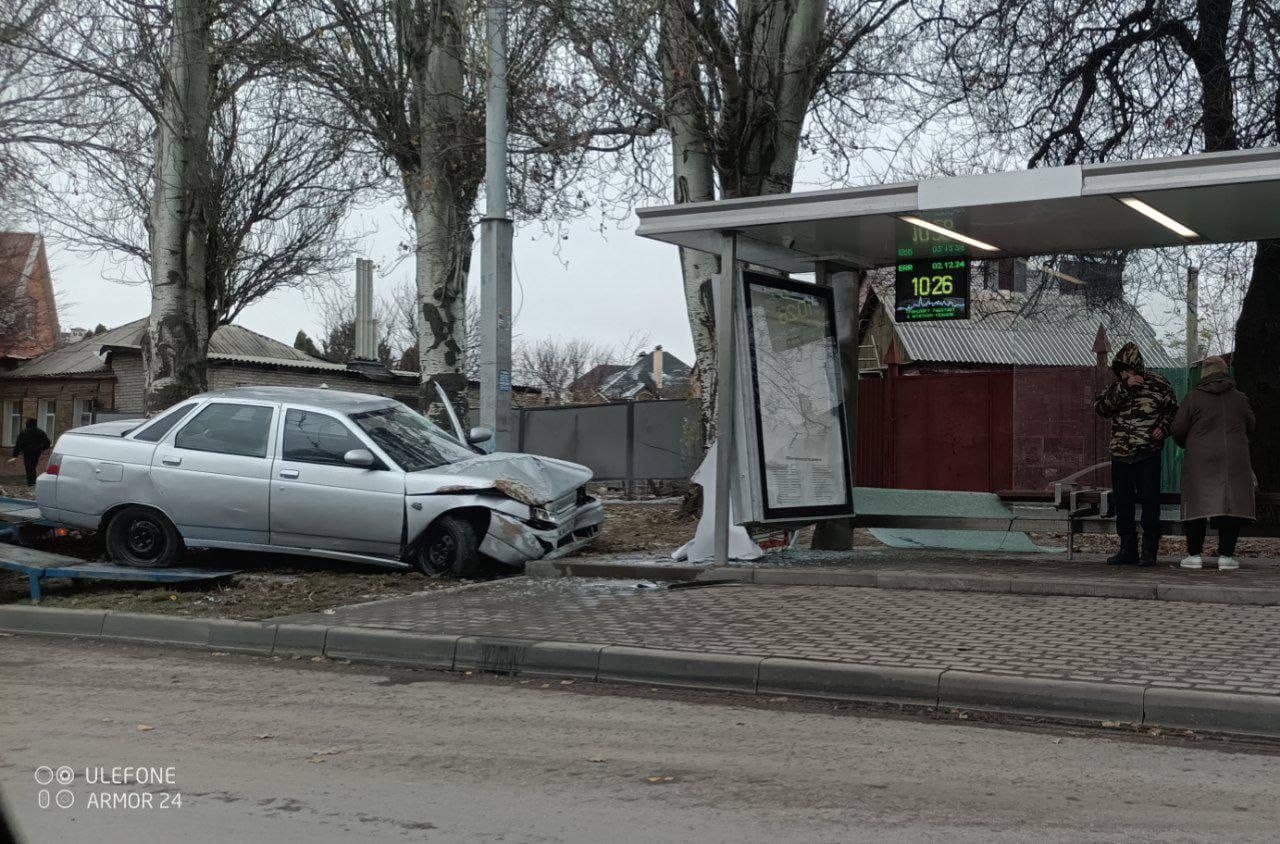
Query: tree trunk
x=694, y=181
x=177, y=337
x=442, y=194
x=1257, y=362
x=444, y=239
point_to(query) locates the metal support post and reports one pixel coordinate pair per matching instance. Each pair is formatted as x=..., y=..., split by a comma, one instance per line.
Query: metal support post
x=1193, y=317
x=726, y=336
x=846, y=287
x=495, y=245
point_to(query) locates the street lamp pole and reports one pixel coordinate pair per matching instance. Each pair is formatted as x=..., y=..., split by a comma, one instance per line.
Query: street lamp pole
x=495, y=244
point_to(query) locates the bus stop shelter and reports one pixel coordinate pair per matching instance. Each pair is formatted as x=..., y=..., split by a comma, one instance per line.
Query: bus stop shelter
x=1169, y=202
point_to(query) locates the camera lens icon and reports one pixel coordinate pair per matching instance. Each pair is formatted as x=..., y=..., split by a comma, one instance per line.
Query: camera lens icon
x=44, y=775
x=65, y=775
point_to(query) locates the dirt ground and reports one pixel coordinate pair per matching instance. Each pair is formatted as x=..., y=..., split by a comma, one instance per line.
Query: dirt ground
x=272, y=585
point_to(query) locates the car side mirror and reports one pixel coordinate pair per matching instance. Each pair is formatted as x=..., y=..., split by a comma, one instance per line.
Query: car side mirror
x=479, y=435
x=361, y=457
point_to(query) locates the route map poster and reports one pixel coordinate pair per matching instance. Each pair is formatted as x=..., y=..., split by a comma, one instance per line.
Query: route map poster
x=799, y=398
x=932, y=289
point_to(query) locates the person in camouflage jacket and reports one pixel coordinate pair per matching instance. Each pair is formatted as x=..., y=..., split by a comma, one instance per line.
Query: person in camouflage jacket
x=1140, y=406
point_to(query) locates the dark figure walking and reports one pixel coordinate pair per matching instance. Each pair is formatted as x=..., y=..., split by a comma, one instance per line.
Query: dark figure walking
x=31, y=443
x=1141, y=406
x=1213, y=425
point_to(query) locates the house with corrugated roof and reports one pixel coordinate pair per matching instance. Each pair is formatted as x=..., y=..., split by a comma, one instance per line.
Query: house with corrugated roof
x=1043, y=327
x=76, y=383
x=1000, y=402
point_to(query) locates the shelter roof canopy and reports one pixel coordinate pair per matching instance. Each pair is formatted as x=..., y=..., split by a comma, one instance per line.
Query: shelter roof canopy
x=1221, y=197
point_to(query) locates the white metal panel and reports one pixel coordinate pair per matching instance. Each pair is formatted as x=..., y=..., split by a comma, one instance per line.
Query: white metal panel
x=996, y=188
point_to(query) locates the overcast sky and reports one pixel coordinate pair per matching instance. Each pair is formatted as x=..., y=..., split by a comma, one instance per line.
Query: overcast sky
x=599, y=286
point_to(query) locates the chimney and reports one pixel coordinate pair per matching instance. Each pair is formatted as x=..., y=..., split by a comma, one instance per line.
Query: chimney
x=657, y=366
x=366, y=331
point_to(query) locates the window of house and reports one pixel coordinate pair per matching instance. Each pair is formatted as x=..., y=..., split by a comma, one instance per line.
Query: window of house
x=48, y=416
x=83, y=413
x=311, y=437
x=228, y=429
x=12, y=420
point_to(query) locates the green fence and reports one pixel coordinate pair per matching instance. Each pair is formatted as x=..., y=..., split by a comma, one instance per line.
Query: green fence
x=1182, y=381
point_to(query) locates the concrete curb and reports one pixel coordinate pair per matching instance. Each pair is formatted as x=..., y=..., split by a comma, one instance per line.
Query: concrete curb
x=934, y=688
x=688, y=669
x=363, y=643
x=959, y=581
x=880, y=683
x=1072, y=699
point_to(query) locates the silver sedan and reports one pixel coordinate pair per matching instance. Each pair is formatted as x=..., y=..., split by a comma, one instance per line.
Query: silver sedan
x=316, y=472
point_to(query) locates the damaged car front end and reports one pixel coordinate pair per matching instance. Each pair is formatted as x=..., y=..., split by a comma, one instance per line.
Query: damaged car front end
x=532, y=507
x=510, y=508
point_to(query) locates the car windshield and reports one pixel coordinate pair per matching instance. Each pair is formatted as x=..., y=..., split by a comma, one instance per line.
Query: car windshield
x=410, y=439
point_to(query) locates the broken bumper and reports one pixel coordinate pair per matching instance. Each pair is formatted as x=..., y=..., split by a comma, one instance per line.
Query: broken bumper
x=514, y=542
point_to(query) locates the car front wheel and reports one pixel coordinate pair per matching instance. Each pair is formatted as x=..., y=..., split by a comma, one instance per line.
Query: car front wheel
x=139, y=536
x=449, y=547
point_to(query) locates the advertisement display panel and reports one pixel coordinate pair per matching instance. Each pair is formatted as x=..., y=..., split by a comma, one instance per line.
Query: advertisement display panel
x=797, y=398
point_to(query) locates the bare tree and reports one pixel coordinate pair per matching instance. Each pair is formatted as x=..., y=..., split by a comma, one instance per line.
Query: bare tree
x=742, y=88
x=554, y=364
x=210, y=174
x=411, y=75
x=1094, y=80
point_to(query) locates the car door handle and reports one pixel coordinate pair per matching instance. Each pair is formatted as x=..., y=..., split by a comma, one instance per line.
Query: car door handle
x=171, y=461
x=288, y=473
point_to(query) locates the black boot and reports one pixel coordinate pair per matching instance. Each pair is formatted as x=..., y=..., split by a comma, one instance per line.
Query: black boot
x=1150, y=549
x=1128, y=553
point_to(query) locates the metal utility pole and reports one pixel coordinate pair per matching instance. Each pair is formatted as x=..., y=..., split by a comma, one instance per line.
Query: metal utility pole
x=1193, y=316
x=495, y=245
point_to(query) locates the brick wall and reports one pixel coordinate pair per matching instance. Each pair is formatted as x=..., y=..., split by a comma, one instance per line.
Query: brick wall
x=33, y=392
x=128, y=373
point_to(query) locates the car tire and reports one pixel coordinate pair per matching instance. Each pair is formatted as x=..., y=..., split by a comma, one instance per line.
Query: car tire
x=142, y=537
x=449, y=547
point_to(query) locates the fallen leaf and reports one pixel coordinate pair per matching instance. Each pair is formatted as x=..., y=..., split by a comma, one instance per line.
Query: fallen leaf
x=1110, y=725
x=265, y=736
x=466, y=673
x=316, y=760
x=317, y=659
x=328, y=612
x=597, y=759
x=173, y=597
x=218, y=653
x=145, y=728
x=1057, y=741
x=654, y=779
x=566, y=682
x=545, y=686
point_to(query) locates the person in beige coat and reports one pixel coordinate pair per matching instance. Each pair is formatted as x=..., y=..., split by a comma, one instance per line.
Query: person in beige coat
x=1213, y=425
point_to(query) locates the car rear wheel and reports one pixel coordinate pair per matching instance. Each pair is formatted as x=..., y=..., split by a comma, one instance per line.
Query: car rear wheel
x=139, y=536
x=449, y=547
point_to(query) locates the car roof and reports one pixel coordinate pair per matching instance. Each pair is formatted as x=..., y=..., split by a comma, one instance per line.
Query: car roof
x=337, y=400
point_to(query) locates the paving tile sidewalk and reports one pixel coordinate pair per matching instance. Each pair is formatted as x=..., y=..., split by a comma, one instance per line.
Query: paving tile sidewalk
x=1256, y=583
x=1209, y=647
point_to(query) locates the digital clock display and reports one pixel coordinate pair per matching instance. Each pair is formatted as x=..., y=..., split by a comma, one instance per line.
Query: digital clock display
x=932, y=289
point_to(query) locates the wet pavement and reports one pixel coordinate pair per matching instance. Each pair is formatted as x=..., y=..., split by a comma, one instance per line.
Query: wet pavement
x=1212, y=647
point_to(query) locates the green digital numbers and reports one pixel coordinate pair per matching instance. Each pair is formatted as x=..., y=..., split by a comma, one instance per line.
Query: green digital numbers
x=933, y=285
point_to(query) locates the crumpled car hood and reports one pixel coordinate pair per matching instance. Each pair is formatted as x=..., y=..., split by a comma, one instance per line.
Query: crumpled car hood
x=528, y=478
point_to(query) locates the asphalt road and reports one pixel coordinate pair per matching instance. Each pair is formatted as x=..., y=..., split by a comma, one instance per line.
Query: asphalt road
x=298, y=751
